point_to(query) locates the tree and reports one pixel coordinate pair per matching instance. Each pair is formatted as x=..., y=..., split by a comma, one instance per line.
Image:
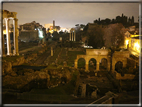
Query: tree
x=114, y=35
x=96, y=37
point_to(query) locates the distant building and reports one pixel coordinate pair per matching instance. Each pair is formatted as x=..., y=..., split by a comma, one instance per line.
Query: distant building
x=51, y=27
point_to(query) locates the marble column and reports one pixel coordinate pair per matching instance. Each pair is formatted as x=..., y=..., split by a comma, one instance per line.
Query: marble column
x=8, y=37
x=16, y=36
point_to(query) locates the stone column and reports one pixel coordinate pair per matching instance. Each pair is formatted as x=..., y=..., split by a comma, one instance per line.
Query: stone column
x=51, y=51
x=97, y=66
x=8, y=37
x=74, y=36
x=16, y=37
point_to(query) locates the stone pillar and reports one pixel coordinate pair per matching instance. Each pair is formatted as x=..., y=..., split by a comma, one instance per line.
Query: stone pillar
x=70, y=36
x=113, y=67
x=74, y=36
x=75, y=64
x=8, y=37
x=97, y=66
x=86, y=66
x=108, y=66
x=16, y=37
x=51, y=51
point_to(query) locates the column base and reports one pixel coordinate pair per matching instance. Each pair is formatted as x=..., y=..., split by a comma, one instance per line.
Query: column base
x=17, y=54
x=10, y=54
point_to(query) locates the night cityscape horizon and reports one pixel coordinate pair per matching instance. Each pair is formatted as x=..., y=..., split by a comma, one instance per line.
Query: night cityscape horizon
x=71, y=53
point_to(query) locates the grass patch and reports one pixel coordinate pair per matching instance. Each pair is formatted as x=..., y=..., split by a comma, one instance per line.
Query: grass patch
x=11, y=58
x=72, y=56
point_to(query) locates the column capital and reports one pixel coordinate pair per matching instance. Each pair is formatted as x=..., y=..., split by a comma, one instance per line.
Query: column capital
x=6, y=19
x=15, y=19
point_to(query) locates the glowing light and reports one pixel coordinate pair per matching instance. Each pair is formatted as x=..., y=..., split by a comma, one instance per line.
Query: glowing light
x=137, y=46
x=127, y=42
x=40, y=32
x=4, y=31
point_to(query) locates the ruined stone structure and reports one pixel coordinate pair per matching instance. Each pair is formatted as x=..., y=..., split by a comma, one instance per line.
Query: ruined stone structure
x=32, y=32
x=72, y=35
x=97, y=54
x=6, y=17
x=120, y=56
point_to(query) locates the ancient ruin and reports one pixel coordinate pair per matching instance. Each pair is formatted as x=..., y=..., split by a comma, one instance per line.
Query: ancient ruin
x=97, y=54
x=7, y=16
x=72, y=35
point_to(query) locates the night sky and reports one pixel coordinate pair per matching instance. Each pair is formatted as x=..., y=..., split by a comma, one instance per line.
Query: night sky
x=69, y=14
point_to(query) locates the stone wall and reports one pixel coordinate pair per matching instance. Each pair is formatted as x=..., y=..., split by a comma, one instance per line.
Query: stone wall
x=28, y=35
x=126, y=76
x=97, y=51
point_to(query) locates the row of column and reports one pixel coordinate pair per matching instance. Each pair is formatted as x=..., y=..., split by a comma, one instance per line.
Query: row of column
x=15, y=37
x=72, y=36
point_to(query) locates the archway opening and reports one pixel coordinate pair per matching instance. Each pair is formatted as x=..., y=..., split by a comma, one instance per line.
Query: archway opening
x=92, y=64
x=81, y=63
x=118, y=67
x=103, y=64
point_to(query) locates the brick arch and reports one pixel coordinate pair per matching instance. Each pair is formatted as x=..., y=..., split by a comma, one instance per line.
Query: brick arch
x=118, y=63
x=78, y=61
x=103, y=65
x=94, y=64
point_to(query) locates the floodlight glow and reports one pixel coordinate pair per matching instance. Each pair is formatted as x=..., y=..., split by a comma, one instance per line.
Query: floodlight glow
x=127, y=42
x=40, y=32
x=137, y=46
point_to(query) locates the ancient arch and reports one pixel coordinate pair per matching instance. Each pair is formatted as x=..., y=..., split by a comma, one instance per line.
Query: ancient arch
x=97, y=54
x=118, y=66
x=72, y=35
x=6, y=17
x=120, y=56
x=103, y=63
x=92, y=63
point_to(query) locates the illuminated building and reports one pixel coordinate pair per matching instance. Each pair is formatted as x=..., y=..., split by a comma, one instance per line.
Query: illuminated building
x=133, y=42
x=52, y=27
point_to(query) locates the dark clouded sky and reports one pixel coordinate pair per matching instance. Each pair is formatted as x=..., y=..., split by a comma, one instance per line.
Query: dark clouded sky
x=69, y=14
